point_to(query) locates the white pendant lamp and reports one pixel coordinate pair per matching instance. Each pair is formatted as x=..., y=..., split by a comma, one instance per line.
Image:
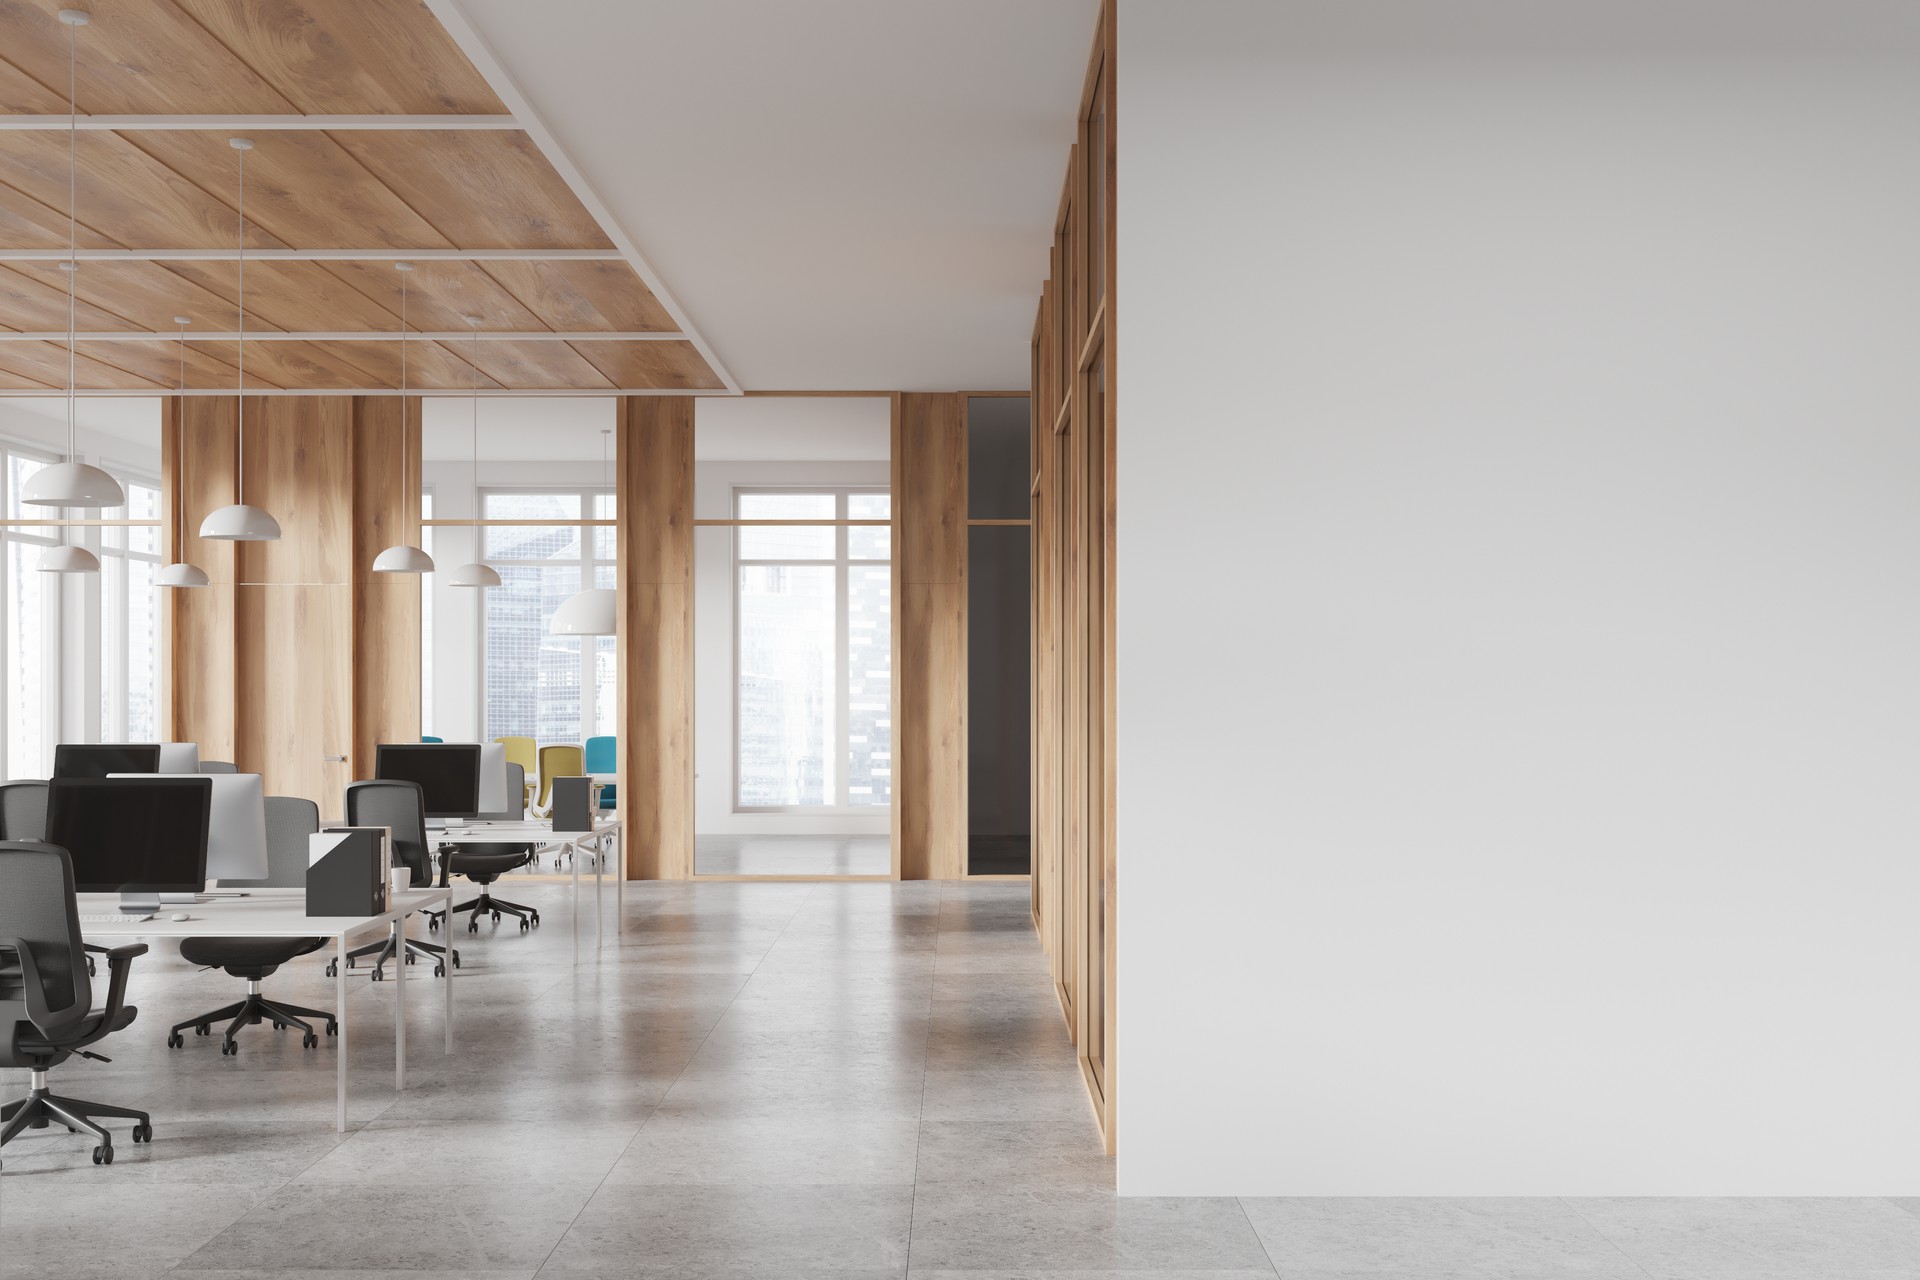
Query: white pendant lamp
x=403, y=557
x=72, y=483
x=478, y=573
x=180, y=573
x=240, y=522
x=595, y=611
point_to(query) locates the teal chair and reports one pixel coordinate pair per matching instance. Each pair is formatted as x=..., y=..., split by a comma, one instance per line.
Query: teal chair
x=430, y=738
x=602, y=755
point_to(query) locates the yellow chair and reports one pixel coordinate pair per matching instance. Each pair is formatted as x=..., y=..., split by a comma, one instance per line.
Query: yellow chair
x=523, y=752
x=558, y=762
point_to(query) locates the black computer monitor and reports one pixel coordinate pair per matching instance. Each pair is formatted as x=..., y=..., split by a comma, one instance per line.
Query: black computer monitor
x=448, y=774
x=98, y=759
x=137, y=837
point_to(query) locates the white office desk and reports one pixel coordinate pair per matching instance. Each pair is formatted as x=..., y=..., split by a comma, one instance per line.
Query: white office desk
x=282, y=913
x=539, y=833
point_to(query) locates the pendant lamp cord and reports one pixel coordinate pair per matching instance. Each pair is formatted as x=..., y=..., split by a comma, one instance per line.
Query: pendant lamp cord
x=403, y=380
x=73, y=212
x=474, y=360
x=240, y=391
x=180, y=468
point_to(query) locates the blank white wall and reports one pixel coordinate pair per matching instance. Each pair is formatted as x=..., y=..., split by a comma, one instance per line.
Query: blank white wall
x=1519, y=710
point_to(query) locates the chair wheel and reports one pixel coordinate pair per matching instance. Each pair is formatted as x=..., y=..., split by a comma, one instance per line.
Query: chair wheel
x=204, y=1029
x=103, y=1154
x=91, y=971
x=173, y=1040
x=496, y=917
x=143, y=1133
x=333, y=968
x=229, y=1048
x=524, y=926
x=456, y=959
x=440, y=971
x=378, y=976
x=535, y=917
x=473, y=925
x=433, y=926
x=310, y=1041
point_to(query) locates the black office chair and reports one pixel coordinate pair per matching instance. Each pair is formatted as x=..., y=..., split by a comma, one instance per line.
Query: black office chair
x=46, y=1013
x=290, y=820
x=401, y=808
x=23, y=811
x=485, y=863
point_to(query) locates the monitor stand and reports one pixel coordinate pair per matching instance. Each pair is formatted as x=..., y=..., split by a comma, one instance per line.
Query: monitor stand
x=443, y=824
x=139, y=902
x=184, y=899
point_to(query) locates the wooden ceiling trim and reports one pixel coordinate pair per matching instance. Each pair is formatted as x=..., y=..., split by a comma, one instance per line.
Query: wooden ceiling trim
x=209, y=364
x=303, y=188
x=662, y=366
x=292, y=296
x=480, y=190
x=28, y=223
x=368, y=56
x=136, y=56
x=526, y=366
x=440, y=295
x=30, y=303
x=570, y=296
x=21, y=94
x=125, y=193
x=47, y=363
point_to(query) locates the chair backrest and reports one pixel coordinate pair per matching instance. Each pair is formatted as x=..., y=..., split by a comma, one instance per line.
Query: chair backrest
x=218, y=766
x=602, y=754
x=37, y=906
x=521, y=751
x=23, y=811
x=516, y=796
x=558, y=761
x=402, y=808
x=290, y=820
x=427, y=737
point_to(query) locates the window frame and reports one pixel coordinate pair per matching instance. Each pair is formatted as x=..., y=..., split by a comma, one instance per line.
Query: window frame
x=51, y=618
x=842, y=564
x=589, y=565
x=109, y=621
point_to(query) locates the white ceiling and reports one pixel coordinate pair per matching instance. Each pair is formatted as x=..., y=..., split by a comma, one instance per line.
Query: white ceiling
x=131, y=418
x=726, y=428
x=843, y=194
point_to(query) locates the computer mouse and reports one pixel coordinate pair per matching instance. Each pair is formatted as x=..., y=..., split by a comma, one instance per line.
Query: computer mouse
x=179, y=915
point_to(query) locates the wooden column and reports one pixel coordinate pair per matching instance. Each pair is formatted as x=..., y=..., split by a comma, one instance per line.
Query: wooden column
x=656, y=634
x=930, y=611
x=297, y=659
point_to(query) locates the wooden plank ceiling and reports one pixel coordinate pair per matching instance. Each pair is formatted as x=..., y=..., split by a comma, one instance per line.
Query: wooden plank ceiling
x=391, y=189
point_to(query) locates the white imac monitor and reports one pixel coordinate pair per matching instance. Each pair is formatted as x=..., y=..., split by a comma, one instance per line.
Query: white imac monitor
x=179, y=757
x=493, y=778
x=236, y=826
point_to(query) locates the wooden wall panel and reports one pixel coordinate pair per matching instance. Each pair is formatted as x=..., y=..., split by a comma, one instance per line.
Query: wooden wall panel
x=930, y=591
x=298, y=660
x=386, y=606
x=655, y=462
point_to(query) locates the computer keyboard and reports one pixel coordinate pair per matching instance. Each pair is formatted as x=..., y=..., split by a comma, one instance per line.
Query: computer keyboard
x=115, y=919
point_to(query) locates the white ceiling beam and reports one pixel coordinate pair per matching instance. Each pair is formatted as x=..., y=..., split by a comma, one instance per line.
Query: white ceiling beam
x=454, y=19
x=257, y=124
x=345, y=335
x=314, y=255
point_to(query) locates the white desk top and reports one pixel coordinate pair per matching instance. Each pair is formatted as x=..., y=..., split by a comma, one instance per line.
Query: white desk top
x=535, y=831
x=263, y=913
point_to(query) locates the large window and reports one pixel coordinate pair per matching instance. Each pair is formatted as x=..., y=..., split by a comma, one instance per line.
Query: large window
x=129, y=636
x=814, y=651
x=550, y=688
x=426, y=618
x=29, y=616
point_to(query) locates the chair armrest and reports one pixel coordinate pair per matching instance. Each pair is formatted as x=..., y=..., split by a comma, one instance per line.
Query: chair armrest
x=119, y=964
x=50, y=1022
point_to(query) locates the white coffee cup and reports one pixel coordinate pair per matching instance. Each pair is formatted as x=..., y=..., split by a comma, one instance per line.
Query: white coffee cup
x=402, y=879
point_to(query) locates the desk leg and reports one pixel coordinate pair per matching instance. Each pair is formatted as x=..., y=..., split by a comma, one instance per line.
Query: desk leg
x=574, y=847
x=599, y=903
x=619, y=881
x=450, y=970
x=340, y=1012
x=400, y=1004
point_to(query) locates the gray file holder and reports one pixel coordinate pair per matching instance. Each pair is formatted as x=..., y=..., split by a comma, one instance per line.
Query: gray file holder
x=349, y=870
x=572, y=804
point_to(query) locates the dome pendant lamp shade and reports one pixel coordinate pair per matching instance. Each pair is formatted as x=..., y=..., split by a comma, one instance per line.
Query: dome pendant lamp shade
x=474, y=575
x=403, y=557
x=240, y=522
x=65, y=559
x=72, y=483
x=479, y=573
x=593, y=612
x=180, y=573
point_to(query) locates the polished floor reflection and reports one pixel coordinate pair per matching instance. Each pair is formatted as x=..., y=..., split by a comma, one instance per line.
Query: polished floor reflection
x=792, y=856
x=756, y=1081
